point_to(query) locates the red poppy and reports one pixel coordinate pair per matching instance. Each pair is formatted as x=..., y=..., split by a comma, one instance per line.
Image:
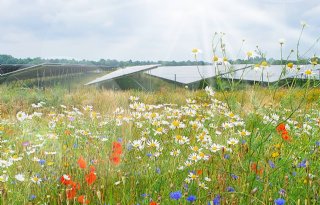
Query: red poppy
x=281, y=127
x=117, y=148
x=82, y=163
x=254, y=168
x=286, y=136
x=65, y=179
x=153, y=203
x=115, y=159
x=71, y=193
x=199, y=172
x=75, y=185
x=82, y=200
x=90, y=178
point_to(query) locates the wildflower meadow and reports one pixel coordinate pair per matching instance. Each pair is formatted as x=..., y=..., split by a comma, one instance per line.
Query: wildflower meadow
x=219, y=145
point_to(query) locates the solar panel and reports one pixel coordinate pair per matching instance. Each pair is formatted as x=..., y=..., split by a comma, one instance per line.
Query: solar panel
x=269, y=74
x=122, y=73
x=191, y=74
x=47, y=70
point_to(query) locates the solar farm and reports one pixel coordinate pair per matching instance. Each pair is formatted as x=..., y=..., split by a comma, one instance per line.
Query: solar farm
x=191, y=76
x=145, y=102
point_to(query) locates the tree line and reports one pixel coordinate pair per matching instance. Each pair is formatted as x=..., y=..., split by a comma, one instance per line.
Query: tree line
x=8, y=59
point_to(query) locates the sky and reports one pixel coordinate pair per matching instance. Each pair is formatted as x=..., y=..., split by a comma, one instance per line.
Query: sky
x=154, y=29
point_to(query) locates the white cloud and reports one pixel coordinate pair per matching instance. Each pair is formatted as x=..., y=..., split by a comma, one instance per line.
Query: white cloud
x=150, y=29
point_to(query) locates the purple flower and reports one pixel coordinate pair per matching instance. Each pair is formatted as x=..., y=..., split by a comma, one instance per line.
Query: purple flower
x=32, y=197
x=191, y=198
x=149, y=155
x=144, y=195
x=185, y=186
x=215, y=201
x=282, y=192
x=279, y=201
x=226, y=156
x=271, y=164
x=230, y=189
x=158, y=170
x=303, y=164
x=176, y=195
x=42, y=161
x=26, y=143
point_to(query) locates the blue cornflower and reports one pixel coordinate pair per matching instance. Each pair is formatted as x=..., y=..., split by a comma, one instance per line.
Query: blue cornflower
x=176, y=195
x=279, y=201
x=42, y=161
x=32, y=197
x=318, y=143
x=215, y=201
x=119, y=139
x=158, y=170
x=75, y=145
x=149, y=154
x=226, y=156
x=271, y=164
x=303, y=164
x=144, y=195
x=230, y=189
x=191, y=198
x=234, y=176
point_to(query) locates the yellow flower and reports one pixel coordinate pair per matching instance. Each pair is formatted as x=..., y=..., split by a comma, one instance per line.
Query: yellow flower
x=195, y=51
x=225, y=59
x=314, y=61
x=50, y=163
x=215, y=58
x=290, y=65
x=308, y=72
x=277, y=146
x=275, y=154
x=176, y=123
x=264, y=64
x=249, y=54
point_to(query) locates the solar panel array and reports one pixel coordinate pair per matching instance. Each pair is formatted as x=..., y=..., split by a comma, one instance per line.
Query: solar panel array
x=191, y=74
x=47, y=70
x=122, y=73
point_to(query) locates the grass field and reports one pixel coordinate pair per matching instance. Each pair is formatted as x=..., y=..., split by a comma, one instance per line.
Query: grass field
x=93, y=146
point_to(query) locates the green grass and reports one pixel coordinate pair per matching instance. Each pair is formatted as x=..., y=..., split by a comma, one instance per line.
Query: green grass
x=151, y=173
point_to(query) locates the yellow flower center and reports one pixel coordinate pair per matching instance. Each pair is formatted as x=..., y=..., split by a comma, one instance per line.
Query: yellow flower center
x=179, y=137
x=308, y=72
x=290, y=65
x=176, y=123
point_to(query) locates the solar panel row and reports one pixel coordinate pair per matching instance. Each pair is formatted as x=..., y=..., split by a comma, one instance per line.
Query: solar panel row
x=122, y=72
